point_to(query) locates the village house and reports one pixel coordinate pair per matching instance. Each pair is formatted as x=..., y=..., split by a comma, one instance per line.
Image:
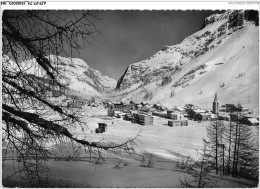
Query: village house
x=144, y=109
x=170, y=111
x=193, y=112
x=189, y=108
x=249, y=121
x=144, y=104
x=119, y=114
x=120, y=106
x=229, y=108
x=235, y=116
x=244, y=119
x=128, y=117
x=204, y=117
x=161, y=114
x=179, y=109
x=143, y=119
x=138, y=106
x=115, y=109
x=147, y=106
x=152, y=110
x=245, y=110
x=224, y=116
x=133, y=104
x=158, y=107
x=175, y=115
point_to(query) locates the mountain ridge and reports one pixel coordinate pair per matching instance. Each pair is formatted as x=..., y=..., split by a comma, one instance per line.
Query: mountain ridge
x=83, y=78
x=78, y=77
x=177, y=74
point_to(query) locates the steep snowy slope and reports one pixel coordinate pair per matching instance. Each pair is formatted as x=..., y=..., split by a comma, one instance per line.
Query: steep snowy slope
x=170, y=58
x=222, y=58
x=83, y=78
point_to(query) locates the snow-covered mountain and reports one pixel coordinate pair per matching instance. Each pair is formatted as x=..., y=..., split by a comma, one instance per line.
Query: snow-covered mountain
x=171, y=58
x=223, y=58
x=82, y=78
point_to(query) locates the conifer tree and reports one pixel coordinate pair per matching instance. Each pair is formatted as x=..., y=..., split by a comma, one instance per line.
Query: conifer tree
x=214, y=141
x=246, y=158
x=29, y=118
x=199, y=171
x=229, y=141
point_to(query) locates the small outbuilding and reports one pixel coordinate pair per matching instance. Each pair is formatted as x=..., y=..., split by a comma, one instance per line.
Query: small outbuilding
x=174, y=123
x=102, y=127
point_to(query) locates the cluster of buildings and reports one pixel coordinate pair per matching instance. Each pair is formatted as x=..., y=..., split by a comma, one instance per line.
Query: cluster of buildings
x=143, y=113
x=73, y=102
x=79, y=102
x=198, y=114
x=232, y=112
x=227, y=112
x=131, y=112
x=177, y=116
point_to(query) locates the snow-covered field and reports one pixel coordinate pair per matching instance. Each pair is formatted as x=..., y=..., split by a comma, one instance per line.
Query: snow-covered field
x=85, y=175
x=166, y=144
x=158, y=139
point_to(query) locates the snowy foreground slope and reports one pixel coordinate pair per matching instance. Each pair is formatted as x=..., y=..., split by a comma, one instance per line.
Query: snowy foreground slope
x=217, y=59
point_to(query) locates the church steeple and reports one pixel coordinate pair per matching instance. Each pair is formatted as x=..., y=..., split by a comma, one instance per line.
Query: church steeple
x=216, y=98
x=215, y=105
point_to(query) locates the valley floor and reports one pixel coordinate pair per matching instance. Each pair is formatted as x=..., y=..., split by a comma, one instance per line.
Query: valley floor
x=158, y=143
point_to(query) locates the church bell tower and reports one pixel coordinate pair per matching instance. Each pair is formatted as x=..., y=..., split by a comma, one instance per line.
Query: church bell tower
x=215, y=105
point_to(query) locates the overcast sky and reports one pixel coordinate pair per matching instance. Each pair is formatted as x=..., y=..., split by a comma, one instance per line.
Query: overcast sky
x=127, y=37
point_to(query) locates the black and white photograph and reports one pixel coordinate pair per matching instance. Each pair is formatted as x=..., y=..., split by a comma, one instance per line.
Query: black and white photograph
x=127, y=97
